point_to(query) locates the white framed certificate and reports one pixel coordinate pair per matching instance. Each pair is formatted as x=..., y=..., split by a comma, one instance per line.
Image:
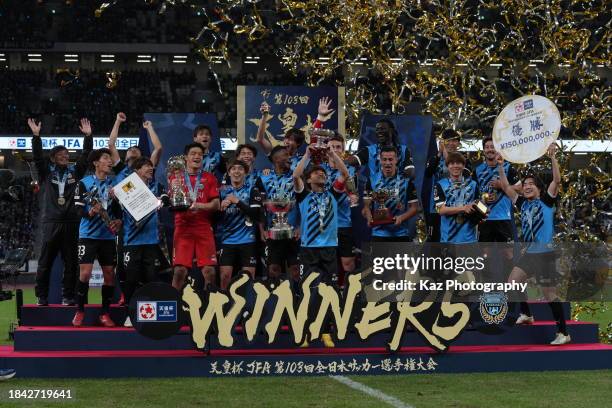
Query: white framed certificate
x=136, y=197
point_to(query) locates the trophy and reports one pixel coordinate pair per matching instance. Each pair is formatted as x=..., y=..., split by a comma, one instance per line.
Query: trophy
x=280, y=226
x=381, y=215
x=479, y=214
x=175, y=171
x=318, y=144
x=92, y=198
x=351, y=191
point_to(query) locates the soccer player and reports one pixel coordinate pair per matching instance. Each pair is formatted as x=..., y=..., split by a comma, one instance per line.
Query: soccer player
x=454, y=197
x=346, y=242
x=386, y=135
x=319, y=215
x=293, y=139
x=141, y=255
x=498, y=226
x=60, y=231
x=124, y=169
x=212, y=162
x=100, y=223
x=246, y=153
x=133, y=152
x=402, y=204
x=279, y=185
x=537, y=209
x=319, y=221
x=437, y=169
x=241, y=209
x=193, y=234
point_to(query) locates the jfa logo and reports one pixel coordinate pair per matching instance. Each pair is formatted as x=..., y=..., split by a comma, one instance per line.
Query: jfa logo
x=21, y=143
x=161, y=311
x=147, y=311
x=528, y=104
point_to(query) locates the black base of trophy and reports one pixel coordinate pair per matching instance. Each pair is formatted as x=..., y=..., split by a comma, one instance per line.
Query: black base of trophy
x=180, y=208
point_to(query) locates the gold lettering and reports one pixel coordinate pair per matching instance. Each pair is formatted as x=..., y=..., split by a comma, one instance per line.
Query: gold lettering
x=285, y=303
x=262, y=294
x=330, y=299
x=201, y=325
x=371, y=312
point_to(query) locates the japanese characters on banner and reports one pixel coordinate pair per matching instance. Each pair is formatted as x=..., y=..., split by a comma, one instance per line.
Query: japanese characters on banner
x=290, y=107
x=322, y=366
x=525, y=128
x=24, y=142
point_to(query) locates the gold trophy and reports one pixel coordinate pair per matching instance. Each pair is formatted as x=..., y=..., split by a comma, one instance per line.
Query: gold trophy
x=175, y=171
x=381, y=215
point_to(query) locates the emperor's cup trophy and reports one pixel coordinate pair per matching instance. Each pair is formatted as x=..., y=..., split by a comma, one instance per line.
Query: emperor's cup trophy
x=318, y=144
x=175, y=171
x=280, y=207
x=381, y=215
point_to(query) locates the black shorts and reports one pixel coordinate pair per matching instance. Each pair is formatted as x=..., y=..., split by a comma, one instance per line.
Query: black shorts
x=495, y=231
x=542, y=265
x=141, y=262
x=346, y=242
x=239, y=255
x=104, y=250
x=280, y=250
x=322, y=260
x=433, y=226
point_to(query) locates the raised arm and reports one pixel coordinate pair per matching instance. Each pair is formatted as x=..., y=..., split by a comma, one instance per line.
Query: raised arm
x=265, y=144
x=157, y=145
x=112, y=139
x=553, y=188
x=505, y=185
x=298, y=183
x=37, y=150
x=81, y=163
x=344, y=173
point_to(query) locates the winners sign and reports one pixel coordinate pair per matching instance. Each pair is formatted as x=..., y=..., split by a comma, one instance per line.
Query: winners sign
x=261, y=309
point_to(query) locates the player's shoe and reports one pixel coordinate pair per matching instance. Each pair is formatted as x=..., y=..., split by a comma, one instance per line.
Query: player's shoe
x=561, y=339
x=524, y=319
x=7, y=373
x=79, y=316
x=42, y=301
x=128, y=322
x=122, y=300
x=68, y=301
x=106, y=321
x=327, y=340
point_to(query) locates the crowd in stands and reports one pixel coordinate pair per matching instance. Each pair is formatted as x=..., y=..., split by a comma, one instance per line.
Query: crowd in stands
x=38, y=24
x=136, y=92
x=20, y=220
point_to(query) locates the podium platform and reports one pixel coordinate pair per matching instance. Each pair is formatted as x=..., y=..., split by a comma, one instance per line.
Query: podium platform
x=46, y=345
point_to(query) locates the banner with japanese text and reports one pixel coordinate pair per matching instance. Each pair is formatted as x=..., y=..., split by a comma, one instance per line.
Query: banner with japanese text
x=290, y=107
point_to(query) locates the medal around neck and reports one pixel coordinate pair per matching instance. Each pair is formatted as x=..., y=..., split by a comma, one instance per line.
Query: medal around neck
x=525, y=128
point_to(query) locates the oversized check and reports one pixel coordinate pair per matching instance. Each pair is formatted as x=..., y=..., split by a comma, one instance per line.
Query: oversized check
x=525, y=128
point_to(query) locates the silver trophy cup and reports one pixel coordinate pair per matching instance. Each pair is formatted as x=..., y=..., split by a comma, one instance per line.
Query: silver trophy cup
x=281, y=229
x=175, y=171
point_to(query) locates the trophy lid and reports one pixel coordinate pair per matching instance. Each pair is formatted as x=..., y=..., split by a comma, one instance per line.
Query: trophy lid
x=279, y=205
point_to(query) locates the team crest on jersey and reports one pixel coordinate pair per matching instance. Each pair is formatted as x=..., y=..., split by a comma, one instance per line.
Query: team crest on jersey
x=493, y=307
